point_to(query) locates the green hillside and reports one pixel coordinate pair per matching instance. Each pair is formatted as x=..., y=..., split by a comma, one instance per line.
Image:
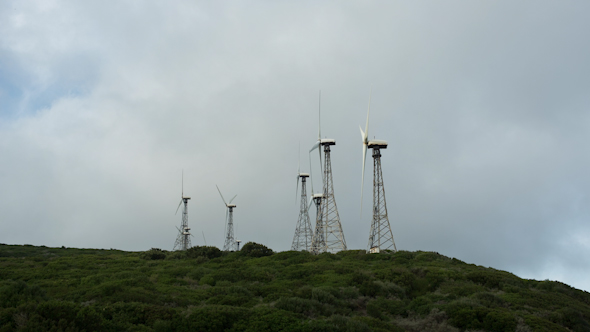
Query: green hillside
x=59, y=289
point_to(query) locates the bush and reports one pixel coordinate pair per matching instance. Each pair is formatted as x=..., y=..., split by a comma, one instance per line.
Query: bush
x=298, y=305
x=203, y=251
x=153, y=254
x=213, y=318
x=323, y=296
x=178, y=254
x=207, y=280
x=464, y=316
x=254, y=249
x=13, y=293
x=486, y=277
x=499, y=321
x=265, y=319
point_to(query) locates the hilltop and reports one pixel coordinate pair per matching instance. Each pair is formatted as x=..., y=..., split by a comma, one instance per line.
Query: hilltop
x=255, y=289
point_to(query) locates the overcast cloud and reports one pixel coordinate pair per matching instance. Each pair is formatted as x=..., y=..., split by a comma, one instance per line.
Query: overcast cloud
x=484, y=105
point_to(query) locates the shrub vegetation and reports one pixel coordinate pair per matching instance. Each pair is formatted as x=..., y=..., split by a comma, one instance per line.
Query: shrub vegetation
x=255, y=289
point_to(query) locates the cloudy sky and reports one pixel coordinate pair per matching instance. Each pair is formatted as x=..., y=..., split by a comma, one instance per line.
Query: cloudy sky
x=485, y=106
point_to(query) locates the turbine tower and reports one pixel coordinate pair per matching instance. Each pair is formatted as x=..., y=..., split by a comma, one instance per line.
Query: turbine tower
x=318, y=242
x=303, y=232
x=380, y=236
x=332, y=228
x=183, y=240
x=230, y=244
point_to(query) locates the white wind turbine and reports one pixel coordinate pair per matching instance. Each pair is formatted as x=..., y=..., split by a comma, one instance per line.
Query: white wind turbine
x=183, y=240
x=303, y=231
x=230, y=244
x=333, y=236
x=380, y=236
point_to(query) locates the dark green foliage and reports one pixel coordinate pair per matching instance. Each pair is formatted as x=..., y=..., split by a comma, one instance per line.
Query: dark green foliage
x=254, y=249
x=203, y=289
x=266, y=319
x=307, y=307
x=499, y=320
x=204, y=251
x=212, y=318
x=14, y=293
x=154, y=253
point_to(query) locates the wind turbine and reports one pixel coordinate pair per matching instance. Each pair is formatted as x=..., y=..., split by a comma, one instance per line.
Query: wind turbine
x=183, y=240
x=380, y=236
x=230, y=243
x=303, y=232
x=332, y=228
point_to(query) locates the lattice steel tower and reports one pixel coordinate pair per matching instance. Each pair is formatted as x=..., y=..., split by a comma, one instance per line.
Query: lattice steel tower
x=333, y=234
x=380, y=235
x=183, y=240
x=230, y=244
x=319, y=237
x=303, y=232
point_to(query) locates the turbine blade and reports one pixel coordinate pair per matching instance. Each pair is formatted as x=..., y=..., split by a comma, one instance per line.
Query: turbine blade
x=321, y=166
x=320, y=117
x=182, y=191
x=204, y=238
x=368, y=111
x=319, y=130
x=178, y=207
x=315, y=146
x=299, y=160
x=232, y=199
x=225, y=228
x=297, y=189
x=309, y=204
x=298, y=171
x=365, y=136
x=310, y=173
x=221, y=195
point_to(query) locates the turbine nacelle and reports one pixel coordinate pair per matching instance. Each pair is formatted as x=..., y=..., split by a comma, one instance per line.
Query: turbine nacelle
x=230, y=206
x=327, y=141
x=315, y=197
x=377, y=144
x=303, y=175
